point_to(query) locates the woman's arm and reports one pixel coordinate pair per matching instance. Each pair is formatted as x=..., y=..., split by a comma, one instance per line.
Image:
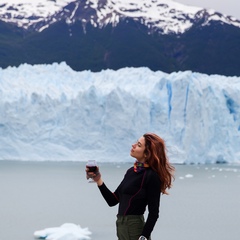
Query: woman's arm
x=99, y=182
x=153, y=199
x=110, y=197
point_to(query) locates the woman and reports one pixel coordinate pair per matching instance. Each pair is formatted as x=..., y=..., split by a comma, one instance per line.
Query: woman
x=142, y=185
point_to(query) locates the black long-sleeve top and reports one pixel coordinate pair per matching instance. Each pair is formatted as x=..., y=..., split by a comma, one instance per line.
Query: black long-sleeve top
x=135, y=192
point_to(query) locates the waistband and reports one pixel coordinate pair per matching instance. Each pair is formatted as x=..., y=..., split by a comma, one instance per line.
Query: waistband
x=120, y=217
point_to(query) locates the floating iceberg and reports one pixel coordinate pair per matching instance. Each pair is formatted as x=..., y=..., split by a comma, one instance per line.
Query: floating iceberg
x=67, y=231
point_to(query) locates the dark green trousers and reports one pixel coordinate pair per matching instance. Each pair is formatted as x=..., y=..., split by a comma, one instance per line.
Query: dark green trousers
x=129, y=227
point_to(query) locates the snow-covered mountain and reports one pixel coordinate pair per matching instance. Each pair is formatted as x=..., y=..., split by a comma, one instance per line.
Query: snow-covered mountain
x=113, y=34
x=164, y=16
x=50, y=112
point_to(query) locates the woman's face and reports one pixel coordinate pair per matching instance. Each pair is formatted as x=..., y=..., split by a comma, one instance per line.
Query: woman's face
x=137, y=150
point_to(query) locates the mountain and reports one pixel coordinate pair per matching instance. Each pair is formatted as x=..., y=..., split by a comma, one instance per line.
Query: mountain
x=100, y=34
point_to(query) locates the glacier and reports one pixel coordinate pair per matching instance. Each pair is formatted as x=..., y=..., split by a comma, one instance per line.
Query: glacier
x=53, y=113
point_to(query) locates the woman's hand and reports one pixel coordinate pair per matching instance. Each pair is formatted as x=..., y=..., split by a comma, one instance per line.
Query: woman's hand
x=95, y=176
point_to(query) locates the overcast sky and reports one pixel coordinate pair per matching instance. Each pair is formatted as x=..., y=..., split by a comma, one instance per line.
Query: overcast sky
x=228, y=7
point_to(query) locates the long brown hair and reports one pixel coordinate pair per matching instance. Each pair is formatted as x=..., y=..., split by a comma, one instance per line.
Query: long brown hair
x=156, y=157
